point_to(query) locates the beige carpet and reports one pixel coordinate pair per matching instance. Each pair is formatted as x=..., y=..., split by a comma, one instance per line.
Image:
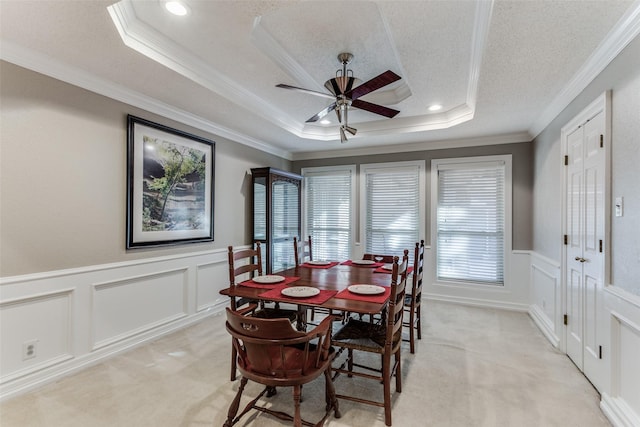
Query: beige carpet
x=473, y=367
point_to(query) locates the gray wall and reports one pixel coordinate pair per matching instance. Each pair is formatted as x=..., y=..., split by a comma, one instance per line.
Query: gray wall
x=622, y=76
x=63, y=178
x=522, y=179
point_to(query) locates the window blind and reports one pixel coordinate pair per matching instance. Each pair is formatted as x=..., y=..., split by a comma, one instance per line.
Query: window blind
x=328, y=213
x=392, y=209
x=470, y=222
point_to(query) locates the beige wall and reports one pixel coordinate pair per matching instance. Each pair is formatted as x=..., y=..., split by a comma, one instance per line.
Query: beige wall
x=63, y=178
x=622, y=77
x=522, y=178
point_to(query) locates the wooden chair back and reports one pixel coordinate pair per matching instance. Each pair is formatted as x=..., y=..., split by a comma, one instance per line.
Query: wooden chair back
x=302, y=250
x=396, y=303
x=253, y=264
x=413, y=315
x=418, y=267
x=387, y=259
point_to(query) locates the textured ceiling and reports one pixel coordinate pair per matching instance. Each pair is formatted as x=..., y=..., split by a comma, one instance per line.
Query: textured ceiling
x=499, y=68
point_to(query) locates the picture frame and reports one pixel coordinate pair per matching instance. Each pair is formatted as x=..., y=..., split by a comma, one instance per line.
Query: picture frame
x=170, y=185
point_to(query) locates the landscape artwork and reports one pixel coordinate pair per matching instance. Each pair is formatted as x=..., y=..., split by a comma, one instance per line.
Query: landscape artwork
x=170, y=183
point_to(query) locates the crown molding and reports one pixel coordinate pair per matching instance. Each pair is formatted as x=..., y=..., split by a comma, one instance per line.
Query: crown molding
x=625, y=30
x=419, y=146
x=46, y=65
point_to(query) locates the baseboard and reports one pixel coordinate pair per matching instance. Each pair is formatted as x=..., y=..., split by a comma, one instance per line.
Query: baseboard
x=544, y=324
x=475, y=302
x=618, y=412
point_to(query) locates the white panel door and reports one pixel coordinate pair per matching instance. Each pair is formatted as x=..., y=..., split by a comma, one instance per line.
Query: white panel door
x=585, y=224
x=593, y=248
x=575, y=216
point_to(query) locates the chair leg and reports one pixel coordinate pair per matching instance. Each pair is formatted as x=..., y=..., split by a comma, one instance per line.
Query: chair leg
x=233, y=409
x=297, y=419
x=350, y=362
x=398, y=358
x=330, y=391
x=419, y=322
x=386, y=384
x=412, y=338
x=234, y=356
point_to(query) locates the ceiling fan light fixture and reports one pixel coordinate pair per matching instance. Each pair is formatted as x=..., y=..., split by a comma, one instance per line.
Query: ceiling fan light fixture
x=343, y=136
x=349, y=129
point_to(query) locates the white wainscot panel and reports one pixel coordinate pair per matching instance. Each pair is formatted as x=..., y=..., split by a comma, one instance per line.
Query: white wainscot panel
x=629, y=359
x=211, y=279
x=545, y=298
x=622, y=403
x=40, y=321
x=130, y=306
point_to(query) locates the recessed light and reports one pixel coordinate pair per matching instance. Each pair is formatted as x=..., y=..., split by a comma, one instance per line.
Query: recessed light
x=176, y=7
x=435, y=107
x=325, y=122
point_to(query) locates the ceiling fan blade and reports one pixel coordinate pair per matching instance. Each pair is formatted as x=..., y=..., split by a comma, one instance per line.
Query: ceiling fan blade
x=309, y=91
x=374, y=108
x=375, y=83
x=322, y=113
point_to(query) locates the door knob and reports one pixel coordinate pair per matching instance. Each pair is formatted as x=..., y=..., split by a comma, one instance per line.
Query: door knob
x=580, y=259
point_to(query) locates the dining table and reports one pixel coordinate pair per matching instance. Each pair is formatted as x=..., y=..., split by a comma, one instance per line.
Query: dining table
x=332, y=280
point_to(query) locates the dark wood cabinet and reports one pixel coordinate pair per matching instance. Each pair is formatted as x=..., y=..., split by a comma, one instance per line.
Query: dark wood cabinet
x=276, y=216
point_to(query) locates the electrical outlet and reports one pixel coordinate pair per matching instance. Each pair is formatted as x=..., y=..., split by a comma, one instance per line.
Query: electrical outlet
x=29, y=349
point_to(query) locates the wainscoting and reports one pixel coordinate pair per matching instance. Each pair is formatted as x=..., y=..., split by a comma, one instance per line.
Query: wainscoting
x=53, y=324
x=56, y=323
x=514, y=295
x=621, y=402
x=621, y=391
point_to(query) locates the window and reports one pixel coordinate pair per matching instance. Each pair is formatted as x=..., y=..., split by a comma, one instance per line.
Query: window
x=472, y=202
x=328, y=210
x=392, y=206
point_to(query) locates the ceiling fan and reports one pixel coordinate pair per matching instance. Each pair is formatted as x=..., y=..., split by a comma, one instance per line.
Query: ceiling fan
x=345, y=95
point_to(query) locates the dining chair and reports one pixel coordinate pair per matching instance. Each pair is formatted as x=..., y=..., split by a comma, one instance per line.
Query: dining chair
x=384, y=339
x=412, y=305
x=302, y=250
x=272, y=353
x=243, y=264
x=387, y=259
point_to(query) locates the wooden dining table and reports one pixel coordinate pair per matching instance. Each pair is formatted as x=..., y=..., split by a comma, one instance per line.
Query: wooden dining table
x=336, y=278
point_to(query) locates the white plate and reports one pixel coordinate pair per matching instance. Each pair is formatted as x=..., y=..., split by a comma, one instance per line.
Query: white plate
x=366, y=289
x=388, y=267
x=318, y=262
x=363, y=262
x=269, y=278
x=300, y=291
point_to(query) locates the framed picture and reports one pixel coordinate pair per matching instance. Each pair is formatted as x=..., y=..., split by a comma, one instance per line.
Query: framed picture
x=170, y=177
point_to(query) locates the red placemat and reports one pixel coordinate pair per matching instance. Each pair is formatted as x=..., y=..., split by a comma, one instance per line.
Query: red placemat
x=374, y=265
x=276, y=295
x=380, y=298
x=252, y=284
x=307, y=265
x=384, y=270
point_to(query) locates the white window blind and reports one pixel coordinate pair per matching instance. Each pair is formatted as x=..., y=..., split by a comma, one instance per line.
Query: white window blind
x=328, y=212
x=470, y=222
x=392, y=209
